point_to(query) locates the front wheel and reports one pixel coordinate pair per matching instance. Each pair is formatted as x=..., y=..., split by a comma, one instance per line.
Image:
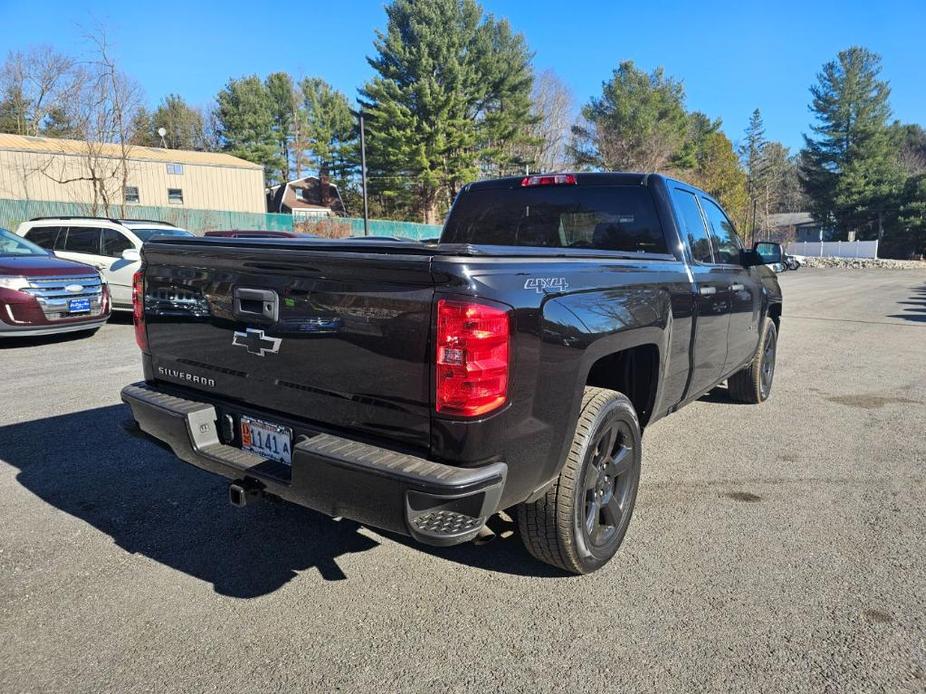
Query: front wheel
x=580, y=521
x=753, y=383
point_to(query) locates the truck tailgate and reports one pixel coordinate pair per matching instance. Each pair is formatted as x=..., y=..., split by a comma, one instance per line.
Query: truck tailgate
x=336, y=337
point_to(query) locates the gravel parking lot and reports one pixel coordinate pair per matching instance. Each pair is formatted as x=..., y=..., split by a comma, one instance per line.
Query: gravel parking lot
x=776, y=548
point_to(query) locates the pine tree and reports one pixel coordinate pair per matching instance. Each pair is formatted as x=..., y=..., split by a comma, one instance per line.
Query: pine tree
x=184, y=124
x=14, y=112
x=848, y=168
x=329, y=128
x=246, y=124
x=752, y=153
x=283, y=108
x=451, y=89
x=639, y=123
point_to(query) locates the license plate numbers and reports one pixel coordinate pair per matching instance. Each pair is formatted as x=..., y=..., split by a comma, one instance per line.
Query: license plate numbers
x=79, y=306
x=267, y=439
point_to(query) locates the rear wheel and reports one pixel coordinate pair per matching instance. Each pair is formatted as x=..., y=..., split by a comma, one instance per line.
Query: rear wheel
x=753, y=384
x=580, y=521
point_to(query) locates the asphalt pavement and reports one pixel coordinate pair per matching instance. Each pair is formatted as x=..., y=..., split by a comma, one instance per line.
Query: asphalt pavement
x=779, y=547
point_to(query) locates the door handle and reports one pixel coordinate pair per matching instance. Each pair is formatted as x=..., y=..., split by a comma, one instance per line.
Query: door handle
x=707, y=291
x=737, y=287
x=257, y=303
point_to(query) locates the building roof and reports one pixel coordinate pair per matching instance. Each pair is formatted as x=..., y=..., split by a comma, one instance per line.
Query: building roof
x=54, y=145
x=311, y=195
x=789, y=219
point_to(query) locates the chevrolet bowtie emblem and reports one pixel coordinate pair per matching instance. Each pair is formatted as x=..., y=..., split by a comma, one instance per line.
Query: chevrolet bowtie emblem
x=256, y=342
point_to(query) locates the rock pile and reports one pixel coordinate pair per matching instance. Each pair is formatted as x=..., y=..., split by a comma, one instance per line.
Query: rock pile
x=863, y=263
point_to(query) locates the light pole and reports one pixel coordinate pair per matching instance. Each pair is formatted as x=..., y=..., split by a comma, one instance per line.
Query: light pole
x=363, y=176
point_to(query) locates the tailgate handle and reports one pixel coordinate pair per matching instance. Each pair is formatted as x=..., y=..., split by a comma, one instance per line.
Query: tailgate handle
x=257, y=303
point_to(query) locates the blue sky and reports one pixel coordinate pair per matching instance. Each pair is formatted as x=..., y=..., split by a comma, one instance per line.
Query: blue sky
x=731, y=56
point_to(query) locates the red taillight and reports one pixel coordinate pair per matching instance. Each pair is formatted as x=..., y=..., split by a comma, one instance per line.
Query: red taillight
x=471, y=357
x=549, y=180
x=138, y=310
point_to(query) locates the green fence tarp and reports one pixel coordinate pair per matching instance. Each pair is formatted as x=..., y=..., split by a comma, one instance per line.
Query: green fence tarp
x=14, y=212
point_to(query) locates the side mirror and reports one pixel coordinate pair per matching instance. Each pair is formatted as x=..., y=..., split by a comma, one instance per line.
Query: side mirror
x=769, y=253
x=131, y=254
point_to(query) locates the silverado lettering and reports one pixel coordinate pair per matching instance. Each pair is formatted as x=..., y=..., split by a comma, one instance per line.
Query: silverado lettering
x=186, y=376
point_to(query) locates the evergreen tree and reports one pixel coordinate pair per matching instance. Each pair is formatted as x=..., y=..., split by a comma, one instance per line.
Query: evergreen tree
x=451, y=89
x=59, y=123
x=753, y=155
x=330, y=128
x=910, y=234
x=184, y=124
x=848, y=169
x=246, y=125
x=14, y=112
x=284, y=106
x=639, y=123
x=699, y=129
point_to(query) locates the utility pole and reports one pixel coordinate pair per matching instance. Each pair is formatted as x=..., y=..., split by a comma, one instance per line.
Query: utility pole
x=363, y=176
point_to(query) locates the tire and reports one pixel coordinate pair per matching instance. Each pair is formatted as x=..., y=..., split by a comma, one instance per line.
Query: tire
x=753, y=384
x=580, y=521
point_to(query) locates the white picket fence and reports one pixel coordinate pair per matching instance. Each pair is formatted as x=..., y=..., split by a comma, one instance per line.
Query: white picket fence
x=835, y=249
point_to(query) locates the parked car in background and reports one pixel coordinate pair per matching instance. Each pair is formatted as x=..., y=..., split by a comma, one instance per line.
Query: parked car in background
x=257, y=234
x=110, y=245
x=43, y=295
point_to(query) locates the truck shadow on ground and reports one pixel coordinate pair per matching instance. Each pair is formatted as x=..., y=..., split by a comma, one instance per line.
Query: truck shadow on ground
x=915, y=307
x=23, y=342
x=151, y=504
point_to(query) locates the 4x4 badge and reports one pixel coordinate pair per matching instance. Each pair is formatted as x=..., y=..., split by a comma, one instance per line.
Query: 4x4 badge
x=256, y=342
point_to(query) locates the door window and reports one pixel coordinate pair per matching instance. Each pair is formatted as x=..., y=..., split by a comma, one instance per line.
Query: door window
x=43, y=236
x=114, y=243
x=727, y=244
x=693, y=225
x=83, y=240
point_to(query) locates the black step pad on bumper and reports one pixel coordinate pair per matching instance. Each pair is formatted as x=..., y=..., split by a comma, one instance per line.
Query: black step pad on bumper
x=435, y=503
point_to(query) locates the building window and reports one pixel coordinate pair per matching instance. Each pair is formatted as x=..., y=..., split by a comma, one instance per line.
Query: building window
x=175, y=196
x=175, y=169
x=131, y=194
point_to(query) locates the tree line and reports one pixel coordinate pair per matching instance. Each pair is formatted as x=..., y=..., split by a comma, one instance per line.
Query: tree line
x=454, y=97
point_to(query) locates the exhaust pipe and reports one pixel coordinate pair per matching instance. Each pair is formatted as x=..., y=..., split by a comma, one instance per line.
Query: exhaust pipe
x=241, y=493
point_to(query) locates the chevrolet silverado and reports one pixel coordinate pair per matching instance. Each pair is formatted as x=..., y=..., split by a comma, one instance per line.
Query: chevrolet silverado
x=420, y=388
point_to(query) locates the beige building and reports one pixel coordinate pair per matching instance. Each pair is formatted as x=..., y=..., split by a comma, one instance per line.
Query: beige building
x=51, y=169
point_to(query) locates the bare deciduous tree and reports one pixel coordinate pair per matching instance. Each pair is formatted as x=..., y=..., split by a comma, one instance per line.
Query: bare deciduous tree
x=35, y=83
x=102, y=113
x=553, y=108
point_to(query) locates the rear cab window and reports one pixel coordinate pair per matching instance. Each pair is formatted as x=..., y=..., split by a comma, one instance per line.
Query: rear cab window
x=608, y=217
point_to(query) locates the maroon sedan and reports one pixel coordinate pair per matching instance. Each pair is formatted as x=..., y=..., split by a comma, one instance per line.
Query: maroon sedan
x=44, y=295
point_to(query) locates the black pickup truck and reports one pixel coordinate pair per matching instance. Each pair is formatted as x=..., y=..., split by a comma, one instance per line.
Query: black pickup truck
x=421, y=388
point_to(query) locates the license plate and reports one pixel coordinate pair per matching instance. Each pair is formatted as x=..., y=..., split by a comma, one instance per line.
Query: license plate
x=267, y=439
x=79, y=305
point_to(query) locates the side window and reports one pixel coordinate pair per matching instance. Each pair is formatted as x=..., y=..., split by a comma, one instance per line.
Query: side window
x=114, y=243
x=43, y=236
x=693, y=225
x=727, y=244
x=83, y=240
